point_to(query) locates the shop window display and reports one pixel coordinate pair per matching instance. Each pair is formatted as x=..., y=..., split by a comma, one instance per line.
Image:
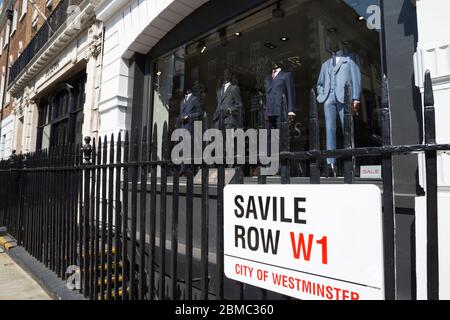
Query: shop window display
x=257, y=71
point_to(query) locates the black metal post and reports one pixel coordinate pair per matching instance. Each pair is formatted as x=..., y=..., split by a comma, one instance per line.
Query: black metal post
x=314, y=143
x=349, y=162
x=431, y=192
x=388, y=197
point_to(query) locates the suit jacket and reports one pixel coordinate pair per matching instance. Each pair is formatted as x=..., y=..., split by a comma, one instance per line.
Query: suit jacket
x=230, y=99
x=191, y=108
x=345, y=71
x=280, y=94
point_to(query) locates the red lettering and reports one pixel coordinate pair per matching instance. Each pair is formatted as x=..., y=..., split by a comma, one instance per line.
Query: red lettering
x=323, y=242
x=299, y=246
x=355, y=296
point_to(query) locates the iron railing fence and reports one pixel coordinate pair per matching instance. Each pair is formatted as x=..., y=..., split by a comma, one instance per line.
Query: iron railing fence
x=140, y=227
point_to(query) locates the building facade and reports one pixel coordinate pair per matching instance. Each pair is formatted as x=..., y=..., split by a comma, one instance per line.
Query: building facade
x=93, y=68
x=54, y=83
x=433, y=53
x=154, y=51
x=19, y=22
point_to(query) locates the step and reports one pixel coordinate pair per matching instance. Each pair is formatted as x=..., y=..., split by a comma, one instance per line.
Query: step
x=113, y=251
x=113, y=296
x=113, y=266
x=112, y=280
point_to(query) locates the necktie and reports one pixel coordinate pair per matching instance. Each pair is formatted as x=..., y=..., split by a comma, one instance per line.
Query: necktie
x=334, y=59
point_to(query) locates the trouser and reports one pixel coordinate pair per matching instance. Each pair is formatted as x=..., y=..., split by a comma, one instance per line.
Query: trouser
x=277, y=122
x=280, y=123
x=333, y=108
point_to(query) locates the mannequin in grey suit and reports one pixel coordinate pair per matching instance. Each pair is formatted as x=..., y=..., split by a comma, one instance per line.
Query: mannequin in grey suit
x=229, y=104
x=335, y=73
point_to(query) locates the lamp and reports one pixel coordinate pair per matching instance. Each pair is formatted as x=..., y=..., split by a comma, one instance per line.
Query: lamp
x=201, y=46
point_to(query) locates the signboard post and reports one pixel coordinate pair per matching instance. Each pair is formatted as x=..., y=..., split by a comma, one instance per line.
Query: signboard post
x=306, y=241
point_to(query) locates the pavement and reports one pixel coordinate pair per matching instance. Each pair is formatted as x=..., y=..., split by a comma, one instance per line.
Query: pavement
x=16, y=284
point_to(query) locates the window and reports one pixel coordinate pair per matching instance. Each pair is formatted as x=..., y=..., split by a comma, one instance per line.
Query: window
x=24, y=9
x=35, y=19
x=299, y=37
x=7, y=35
x=14, y=22
x=20, y=49
x=61, y=114
x=2, y=87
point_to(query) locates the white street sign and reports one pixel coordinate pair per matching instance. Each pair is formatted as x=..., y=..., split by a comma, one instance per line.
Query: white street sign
x=306, y=241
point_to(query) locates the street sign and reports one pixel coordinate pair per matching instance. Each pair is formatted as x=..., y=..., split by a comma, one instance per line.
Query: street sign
x=306, y=241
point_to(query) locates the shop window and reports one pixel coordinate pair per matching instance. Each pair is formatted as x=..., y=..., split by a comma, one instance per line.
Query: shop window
x=300, y=38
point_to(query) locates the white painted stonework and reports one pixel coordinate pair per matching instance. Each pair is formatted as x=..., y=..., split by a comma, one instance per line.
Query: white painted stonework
x=131, y=26
x=433, y=53
x=7, y=125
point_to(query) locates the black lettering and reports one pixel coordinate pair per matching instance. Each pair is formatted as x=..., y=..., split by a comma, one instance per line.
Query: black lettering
x=251, y=208
x=298, y=210
x=275, y=209
x=282, y=217
x=264, y=211
x=253, y=246
x=270, y=241
x=238, y=205
x=239, y=234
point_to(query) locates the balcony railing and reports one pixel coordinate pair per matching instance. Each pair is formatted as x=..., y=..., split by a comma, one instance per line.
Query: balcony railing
x=54, y=21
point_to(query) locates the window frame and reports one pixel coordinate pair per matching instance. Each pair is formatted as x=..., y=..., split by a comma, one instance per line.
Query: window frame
x=23, y=10
x=14, y=22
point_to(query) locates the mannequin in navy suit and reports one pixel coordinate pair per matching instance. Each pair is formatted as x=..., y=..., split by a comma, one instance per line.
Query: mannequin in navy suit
x=335, y=73
x=190, y=110
x=280, y=102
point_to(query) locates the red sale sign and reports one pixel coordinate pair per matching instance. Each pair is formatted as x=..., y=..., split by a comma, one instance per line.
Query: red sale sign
x=306, y=241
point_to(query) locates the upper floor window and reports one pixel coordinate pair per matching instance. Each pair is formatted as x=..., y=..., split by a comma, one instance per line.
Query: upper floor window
x=6, y=35
x=35, y=19
x=14, y=22
x=24, y=9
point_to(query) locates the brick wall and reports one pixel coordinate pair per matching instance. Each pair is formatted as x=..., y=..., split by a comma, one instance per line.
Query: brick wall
x=22, y=36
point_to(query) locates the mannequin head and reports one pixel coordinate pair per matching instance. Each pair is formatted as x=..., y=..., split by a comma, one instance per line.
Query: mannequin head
x=338, y=51
x=276, y=65
x=227, y=76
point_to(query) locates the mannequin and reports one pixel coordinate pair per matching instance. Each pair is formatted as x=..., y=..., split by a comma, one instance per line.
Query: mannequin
x=335, y=73
x=280, y=102
x=190, y=110
x=229, y=103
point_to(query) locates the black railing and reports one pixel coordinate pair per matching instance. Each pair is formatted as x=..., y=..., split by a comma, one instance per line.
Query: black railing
x=55, y=20
x=105, y=208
